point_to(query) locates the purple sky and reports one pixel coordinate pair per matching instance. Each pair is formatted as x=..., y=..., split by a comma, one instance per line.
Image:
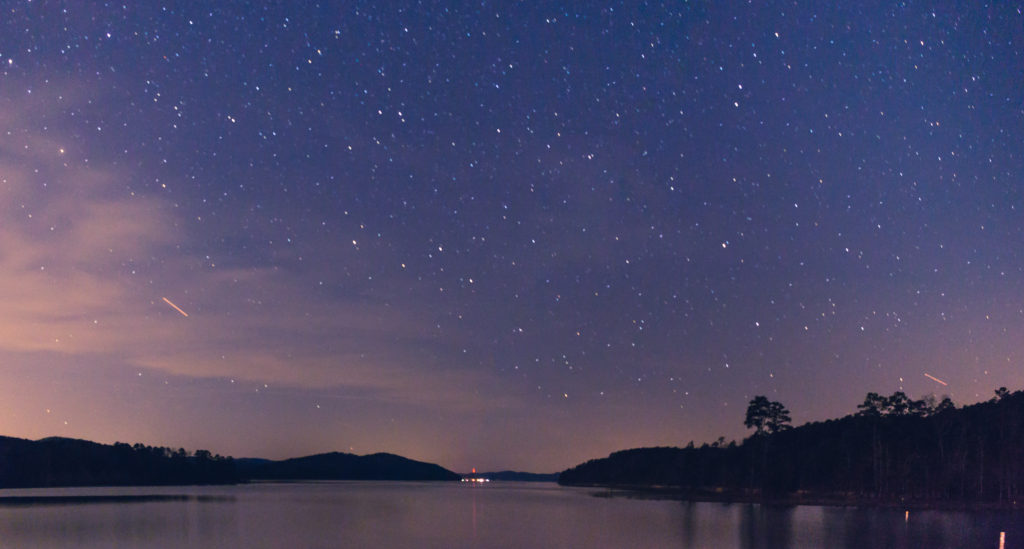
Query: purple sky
x=508, y=235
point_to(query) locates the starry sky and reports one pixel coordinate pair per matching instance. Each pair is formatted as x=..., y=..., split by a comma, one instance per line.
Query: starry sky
x=501, y=234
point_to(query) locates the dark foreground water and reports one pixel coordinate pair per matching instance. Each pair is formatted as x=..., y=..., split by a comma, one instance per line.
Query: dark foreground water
x=452, y=515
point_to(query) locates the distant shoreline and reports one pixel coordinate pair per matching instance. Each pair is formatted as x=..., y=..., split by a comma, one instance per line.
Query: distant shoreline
x=675, y=493
x=64, y=462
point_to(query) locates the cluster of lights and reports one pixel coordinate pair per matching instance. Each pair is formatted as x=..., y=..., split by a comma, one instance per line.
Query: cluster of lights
x=476, y=479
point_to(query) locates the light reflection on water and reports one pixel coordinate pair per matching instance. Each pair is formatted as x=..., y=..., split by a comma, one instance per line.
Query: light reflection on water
x=384, y=514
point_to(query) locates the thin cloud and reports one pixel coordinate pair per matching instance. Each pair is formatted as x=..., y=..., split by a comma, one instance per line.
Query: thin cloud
x=85, y=264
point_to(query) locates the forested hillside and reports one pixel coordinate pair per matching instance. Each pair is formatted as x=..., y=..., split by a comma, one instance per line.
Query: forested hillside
x=892, y=449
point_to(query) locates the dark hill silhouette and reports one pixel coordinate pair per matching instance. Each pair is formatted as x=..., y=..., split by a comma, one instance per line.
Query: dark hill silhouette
x=342, y=466
x=893, y=450
x=59, y=461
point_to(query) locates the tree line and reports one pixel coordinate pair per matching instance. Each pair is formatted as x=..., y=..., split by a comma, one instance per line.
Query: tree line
x=893, y=448
x=71, y=462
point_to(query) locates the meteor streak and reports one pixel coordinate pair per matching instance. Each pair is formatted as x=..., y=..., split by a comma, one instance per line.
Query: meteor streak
x=935, y=379
x=176, y=308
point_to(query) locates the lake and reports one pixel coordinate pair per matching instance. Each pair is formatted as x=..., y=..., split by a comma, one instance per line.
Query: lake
x=452, y=515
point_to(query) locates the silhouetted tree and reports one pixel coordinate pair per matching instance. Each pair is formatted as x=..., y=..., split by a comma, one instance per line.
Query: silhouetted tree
x=873, y=405
x=898, y=404
x=766, y=416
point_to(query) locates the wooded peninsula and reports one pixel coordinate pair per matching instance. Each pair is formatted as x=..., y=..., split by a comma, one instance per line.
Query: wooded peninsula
x=893, y=450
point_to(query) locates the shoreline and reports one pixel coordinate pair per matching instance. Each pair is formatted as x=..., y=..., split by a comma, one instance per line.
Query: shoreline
x=707, y=496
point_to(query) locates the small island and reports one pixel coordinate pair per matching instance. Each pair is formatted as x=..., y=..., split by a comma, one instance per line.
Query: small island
x=893, y=451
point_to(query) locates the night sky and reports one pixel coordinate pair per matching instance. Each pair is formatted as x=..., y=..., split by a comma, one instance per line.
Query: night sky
x=501, y=235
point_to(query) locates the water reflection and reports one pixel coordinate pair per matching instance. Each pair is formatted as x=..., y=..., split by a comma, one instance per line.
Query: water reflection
x=752, y=526
x=452, y=516
x=746, y=526
x=116, y=498
x=689, y=523
x=765, y=526
x=896, y=529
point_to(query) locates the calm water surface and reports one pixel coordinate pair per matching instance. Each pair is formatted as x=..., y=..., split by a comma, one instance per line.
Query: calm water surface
x=452, y=515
